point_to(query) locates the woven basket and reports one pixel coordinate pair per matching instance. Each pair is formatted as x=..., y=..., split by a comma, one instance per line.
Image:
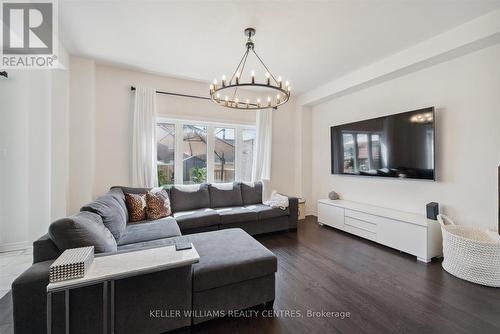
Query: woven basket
x=470, y=253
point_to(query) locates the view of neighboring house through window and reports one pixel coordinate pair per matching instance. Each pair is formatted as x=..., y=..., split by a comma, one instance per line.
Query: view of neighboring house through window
x=224, y=155
x=376, y=154
x=362, y=152
x=247, y=154
x=194, y=160
x=190, y=152
x=349, y=153
x=363, y=157
x=165, y=138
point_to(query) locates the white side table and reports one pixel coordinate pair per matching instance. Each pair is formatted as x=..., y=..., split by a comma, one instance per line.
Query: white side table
x=106, y=269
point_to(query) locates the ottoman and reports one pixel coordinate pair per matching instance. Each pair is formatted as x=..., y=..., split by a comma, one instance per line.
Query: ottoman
x=235, y=272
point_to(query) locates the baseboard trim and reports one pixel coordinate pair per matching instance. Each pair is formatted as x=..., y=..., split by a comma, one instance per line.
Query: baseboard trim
x=312, y=213
x=13, y=246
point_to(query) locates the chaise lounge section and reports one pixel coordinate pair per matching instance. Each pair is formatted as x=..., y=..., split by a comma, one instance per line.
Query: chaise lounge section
x=234, y=272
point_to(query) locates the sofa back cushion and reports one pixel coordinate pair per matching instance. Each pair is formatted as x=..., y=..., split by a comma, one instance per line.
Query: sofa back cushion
x=132, y=190
x=251, y=193
x=225, y=194
x=80, y=230
x=113, y=215
x=119, y=195
x=189, y=197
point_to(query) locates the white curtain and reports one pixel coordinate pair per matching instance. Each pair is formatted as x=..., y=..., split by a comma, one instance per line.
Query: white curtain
x=144, y=172
x=261, y=169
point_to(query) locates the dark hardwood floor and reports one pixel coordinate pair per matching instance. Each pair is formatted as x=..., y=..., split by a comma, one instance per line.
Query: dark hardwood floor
x=384, y=291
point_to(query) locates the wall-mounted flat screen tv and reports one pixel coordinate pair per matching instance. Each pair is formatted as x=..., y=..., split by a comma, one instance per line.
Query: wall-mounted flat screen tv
x=400, y=146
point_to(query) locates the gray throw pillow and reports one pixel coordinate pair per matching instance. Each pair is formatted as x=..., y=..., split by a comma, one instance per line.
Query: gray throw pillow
x=111, y=211
x=81, y=230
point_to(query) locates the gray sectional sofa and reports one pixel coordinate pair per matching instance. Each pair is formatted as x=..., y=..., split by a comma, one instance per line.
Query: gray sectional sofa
x=235, y=271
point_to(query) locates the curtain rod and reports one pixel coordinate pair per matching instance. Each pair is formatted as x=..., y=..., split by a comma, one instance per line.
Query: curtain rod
x=132, y=88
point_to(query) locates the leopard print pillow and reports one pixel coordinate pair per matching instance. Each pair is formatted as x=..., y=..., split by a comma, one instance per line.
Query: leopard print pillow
x=157, y=204
x=136, y=206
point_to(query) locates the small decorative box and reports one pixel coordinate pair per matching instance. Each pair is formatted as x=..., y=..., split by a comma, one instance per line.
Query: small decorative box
x=72, y=263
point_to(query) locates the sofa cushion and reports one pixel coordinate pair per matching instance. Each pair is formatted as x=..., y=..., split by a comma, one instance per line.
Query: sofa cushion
x=261, y=226
x=189, y=197
x=196, y=218
x=236, y=214
x=228, y=256
x=149, y=230
x=266, y=212
x=111, y=211
x=80, y=230
x=225, y=194
x=251, y=193
x=147, y=244
x=132, y=190
x=119, y=195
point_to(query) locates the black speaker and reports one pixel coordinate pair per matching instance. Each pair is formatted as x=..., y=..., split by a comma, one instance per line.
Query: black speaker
x=432, y=209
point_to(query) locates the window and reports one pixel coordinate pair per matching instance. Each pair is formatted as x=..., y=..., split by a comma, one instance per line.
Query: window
x=224, y=155
x=247, y=154
x=165, y=138
x=349, y=153
x=363, y=161
x=376, y=155
x=195, y=152
x=194, y=148
x=362, y=151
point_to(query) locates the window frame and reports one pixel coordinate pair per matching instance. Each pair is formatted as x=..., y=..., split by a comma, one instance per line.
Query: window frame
x=174, y=146
x=235, y=149
x=211, y=126
x=182, y=147
x=369, y=142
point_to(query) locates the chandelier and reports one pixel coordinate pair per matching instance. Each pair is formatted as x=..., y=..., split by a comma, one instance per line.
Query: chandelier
x=271, y=93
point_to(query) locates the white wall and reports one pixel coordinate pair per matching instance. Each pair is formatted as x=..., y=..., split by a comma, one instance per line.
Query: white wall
x=304, y=157
x=286, y=150
x=33, y=153
x=60, y=144
x=81, y=132
x=108, y=148
x=465, y=92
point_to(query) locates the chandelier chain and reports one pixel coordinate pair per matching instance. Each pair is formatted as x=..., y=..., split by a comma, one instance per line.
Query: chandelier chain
x=268, y=71
x=241, y=72
x=237, y=67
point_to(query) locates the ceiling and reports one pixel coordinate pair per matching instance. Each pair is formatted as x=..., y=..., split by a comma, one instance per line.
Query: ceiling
x=307, y=42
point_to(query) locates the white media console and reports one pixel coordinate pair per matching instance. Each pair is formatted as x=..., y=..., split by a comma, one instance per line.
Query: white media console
x=408, y=232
